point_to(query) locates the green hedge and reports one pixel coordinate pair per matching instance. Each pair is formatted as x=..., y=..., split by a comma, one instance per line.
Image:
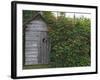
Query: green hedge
x=70, y=41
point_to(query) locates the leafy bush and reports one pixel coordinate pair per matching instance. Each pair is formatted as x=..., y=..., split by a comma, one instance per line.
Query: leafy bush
x=70, y=43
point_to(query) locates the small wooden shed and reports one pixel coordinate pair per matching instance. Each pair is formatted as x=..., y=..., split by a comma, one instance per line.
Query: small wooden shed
x=36, y=41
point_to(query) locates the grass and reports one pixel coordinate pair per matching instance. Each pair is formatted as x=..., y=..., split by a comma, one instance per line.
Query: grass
x=36, y=66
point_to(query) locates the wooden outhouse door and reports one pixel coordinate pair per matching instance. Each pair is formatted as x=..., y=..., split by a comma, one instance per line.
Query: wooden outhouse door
x=36, y=43
x=44, y=45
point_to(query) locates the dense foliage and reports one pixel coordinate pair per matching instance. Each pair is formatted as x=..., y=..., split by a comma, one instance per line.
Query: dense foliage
x=69, y=38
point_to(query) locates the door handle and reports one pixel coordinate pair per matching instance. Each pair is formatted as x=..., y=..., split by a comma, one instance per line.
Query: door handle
x=44, y=40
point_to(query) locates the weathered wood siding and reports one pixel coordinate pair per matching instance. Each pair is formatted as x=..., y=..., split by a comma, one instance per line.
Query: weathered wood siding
x=36, y=43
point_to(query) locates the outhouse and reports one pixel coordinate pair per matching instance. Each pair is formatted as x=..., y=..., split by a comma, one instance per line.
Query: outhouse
x=36, y=41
